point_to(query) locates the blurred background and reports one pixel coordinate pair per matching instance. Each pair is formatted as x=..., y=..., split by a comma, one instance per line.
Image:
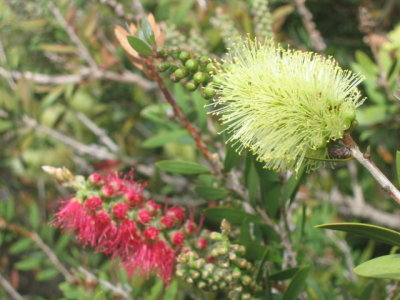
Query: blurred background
x=70, y=97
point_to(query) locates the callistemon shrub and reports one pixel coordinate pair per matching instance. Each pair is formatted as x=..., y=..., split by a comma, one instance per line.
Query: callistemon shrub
x=284, y=105
x=110, y=214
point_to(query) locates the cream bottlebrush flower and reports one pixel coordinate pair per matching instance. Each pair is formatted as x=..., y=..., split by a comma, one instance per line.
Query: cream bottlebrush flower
x=284, y=105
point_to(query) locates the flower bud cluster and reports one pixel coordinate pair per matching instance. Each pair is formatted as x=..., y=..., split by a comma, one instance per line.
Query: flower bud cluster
x=220, y=267
x=192, y=70
x=111, y=214
x=262, y=19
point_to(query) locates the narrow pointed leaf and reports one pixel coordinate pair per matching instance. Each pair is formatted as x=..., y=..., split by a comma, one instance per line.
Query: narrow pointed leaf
x=232, y=215
x=387, y=267
x=398, y=166
x=210, y=193
x=297, y=283
x=377, y=233
x=140, y=46
x=181, y=167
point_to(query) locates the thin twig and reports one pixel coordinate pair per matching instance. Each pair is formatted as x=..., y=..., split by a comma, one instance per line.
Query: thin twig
x=9, y=289
x=116, y=289
x=83, y=52
x=363, y=159
x=4, y=224
x=316, y=39
x=119, y=10
x=94, y=150
x=99, y=132
x=85, y=74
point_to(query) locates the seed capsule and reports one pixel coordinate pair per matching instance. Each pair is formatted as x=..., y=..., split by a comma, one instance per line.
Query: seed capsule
x=191, y=86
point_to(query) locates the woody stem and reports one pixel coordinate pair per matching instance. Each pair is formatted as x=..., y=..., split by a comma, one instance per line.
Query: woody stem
x=364, y=160
x=196, y=135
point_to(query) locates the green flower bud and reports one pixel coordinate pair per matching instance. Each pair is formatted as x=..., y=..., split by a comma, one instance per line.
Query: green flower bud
x=200, y=77
x=163, y=66
x=245, y=296
x=216, y=236
x=174, y=78
x=162, y=52
x=209, y=92
x=236, y=273
x=211, y=68
x=192, y=64
x=204, y=60
x=184, y=56
x=214, y=287
x=201, y=285
x=191, y=86
x=222, y=250
x=246, y=279
x=180, y=73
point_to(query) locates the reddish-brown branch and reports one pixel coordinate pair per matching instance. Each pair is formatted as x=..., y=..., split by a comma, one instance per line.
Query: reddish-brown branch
x=198, y=139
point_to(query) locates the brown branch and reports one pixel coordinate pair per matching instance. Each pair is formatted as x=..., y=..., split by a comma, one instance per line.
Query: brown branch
x=364, y=160
x=4, y=224
x=316, y=39
x=198, y=139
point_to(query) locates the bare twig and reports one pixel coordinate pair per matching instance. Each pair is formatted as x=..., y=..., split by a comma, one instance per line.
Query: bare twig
x=363, y=159
x=119, y=10
x=124, y=292
x=83, y=52
x=348, y=207
x=85, y=74
x=316, y=39
x=345, y=249
x=92, y=150
x=99, y=132
x=9, y=289
x=39, y=242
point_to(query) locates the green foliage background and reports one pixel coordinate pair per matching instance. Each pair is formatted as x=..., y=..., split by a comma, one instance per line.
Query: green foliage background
x=142, y=126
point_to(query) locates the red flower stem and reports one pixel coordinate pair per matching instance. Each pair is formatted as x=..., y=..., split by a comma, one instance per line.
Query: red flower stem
x=364, y=160
x=197, y=137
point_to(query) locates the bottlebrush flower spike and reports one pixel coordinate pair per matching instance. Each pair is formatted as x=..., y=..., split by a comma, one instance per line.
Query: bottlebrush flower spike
x=111, y=214
x=284, y=105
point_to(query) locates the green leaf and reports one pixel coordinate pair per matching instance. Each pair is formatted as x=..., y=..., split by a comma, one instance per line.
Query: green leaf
x=387, y=267
x=373, y=114
x=46, y=274
x=254, y=251
x=140, y=46
x=171, y=292
x=210, y=193
x=163, y=138
x=148, y=32
x=181, y=167
x=296, y=285
x=156, y=291
x=34, y=215
x=21, y=246
x=377, y=233
x=398, y=166
x=28, y=264
x=232, y=215
x=284, y=274
x=231, y=158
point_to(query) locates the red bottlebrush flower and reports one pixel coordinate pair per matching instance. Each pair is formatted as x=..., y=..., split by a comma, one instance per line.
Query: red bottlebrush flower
x=95, y=178
x=152, y=206
x=70, y=216
x=201, y=243
x=151, y=233
x=178, y=238
x=107, y=190
x=144, y=216
x=168, y=221
x=148, y=257
x=178, y=212
x=121, y=240
x=134, y=196
x=93, y=203
x=120, y=210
